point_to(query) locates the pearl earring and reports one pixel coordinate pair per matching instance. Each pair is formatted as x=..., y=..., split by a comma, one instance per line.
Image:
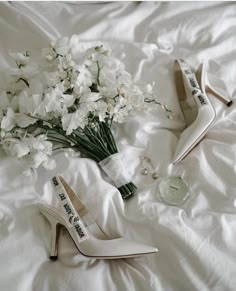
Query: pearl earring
x=145, y=170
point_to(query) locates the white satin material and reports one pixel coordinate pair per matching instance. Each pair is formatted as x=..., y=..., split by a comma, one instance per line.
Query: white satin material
x=197, y=241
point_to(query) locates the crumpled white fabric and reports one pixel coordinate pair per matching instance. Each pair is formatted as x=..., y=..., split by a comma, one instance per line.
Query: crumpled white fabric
x=196, y=241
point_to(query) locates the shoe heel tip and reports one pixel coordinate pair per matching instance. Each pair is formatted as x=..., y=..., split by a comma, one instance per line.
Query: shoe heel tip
x=229, y=103
x=53, y=258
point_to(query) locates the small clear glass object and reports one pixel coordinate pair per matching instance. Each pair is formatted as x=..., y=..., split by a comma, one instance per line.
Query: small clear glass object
x=173, y=190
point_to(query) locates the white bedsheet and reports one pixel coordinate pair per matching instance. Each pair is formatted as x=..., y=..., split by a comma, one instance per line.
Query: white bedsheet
x=197, y=241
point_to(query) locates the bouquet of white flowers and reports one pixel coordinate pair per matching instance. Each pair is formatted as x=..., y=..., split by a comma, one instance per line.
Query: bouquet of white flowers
x=69, y=98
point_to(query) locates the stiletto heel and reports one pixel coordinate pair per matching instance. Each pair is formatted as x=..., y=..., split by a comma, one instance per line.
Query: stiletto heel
x=55, y=234
x=199, y=119
x=203, y=80
x=87, y=243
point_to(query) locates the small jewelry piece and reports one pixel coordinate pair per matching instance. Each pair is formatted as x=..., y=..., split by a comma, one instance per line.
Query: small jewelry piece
x=154, y=176
x=145, y=170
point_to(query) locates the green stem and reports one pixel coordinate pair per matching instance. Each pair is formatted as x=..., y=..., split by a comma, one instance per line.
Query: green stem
x=109, y=135
x=106, y=137
x=88, y=144
x=98, y=74
x=53, y=139
x=81, y=144
x=88, y=154
x=90, y=133
x=60, y=148
x=91, y=148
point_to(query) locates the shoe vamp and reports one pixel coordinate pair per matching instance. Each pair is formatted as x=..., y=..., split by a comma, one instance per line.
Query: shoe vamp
x=190, y=111
x=111, y=248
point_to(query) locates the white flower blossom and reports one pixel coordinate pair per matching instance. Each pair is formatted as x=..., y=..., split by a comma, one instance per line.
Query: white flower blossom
x=21, y=59
x=23, y=120
x=65, y=45
x=90, y=97
x=72, y=121
x=71, y=86
x=84, y=77
x=36, y=148
x=20, y=149
x=49, y=54
x=8, y=121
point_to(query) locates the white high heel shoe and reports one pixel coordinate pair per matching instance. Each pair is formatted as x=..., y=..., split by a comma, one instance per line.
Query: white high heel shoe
x=85, y=233
x=198, y=111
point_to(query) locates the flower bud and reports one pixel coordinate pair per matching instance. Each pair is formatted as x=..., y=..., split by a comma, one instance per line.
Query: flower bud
x=49, y=58
x=52, y=44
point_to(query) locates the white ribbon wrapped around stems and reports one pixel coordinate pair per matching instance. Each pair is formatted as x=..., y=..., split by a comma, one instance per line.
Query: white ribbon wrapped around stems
x=115, y=168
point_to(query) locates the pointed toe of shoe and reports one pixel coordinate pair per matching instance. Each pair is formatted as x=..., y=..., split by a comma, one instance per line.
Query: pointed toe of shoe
x=142, y=249
x=154, y=250
x=116, y=249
